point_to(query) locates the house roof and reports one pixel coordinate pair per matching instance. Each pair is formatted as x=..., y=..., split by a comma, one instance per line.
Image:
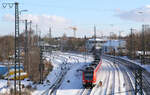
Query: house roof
x=97, y=39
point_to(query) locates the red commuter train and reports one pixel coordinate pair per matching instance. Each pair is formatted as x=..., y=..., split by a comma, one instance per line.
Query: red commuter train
x=90, y=74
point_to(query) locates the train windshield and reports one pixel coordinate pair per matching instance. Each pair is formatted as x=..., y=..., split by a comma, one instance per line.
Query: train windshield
x=88, y=75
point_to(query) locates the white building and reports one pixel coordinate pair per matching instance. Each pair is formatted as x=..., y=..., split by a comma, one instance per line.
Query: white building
x=91, y=42
x=114, y=44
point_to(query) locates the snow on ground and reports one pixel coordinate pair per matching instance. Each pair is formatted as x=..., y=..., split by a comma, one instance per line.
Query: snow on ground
x=72, y=82
x=59, y=60
x=52, y=77
x=3, y=86
x=111, y=76
x=75, y=81
x=4, y=83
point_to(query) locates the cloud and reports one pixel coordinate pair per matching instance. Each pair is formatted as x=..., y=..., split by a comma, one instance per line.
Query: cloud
x=8, y=17
x=44, y=21
x=137, y=15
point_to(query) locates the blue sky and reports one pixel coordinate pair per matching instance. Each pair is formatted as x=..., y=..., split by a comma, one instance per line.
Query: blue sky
x=80, y=13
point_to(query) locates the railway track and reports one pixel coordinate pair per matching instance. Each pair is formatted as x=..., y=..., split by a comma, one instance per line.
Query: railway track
x=120, y=71
x=130, y=65
x=105, y=80
x=58, y=83
x=86, y=92
x=110, y=79
x=105, y=73
x=110, y=85
x=52, y=89
x=129, y=82
x=81, y=56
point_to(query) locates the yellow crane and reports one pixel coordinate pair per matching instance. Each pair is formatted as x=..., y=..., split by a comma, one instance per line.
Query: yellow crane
x=74, y=30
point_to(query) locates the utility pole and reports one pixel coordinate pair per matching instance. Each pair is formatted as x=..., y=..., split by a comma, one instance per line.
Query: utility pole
x=94, y=47
x=131, y=44
x=29, y=48
x=85, y=48
x=95, y=36
x=30, y=33
x=134, y=45
x=110, y=45
x=17, y=44
x=36, y=29
x=50, y=36
x=36, y=37
x=41, y=65
x=26, y=46
x=119, y=43
x=143, y=40
x=143, y=44
x=114, y=52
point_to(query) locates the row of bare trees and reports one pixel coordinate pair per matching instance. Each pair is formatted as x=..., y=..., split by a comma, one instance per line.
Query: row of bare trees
x=137, y=44
x=6, y=47
x=73, y=44
x=31, y=63
x=67, y=43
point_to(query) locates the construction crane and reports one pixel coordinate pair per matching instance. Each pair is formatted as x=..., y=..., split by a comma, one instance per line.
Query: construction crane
x=74, y=30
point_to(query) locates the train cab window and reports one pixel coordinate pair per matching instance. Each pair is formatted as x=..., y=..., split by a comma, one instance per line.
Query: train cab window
x=88, y=75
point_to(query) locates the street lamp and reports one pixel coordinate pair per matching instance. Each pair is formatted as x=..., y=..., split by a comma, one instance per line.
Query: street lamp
x=22, y=11
x=143, y=41
x=19, y=13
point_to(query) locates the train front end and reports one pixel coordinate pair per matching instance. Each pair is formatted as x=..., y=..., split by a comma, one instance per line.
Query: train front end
x=88, y=77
